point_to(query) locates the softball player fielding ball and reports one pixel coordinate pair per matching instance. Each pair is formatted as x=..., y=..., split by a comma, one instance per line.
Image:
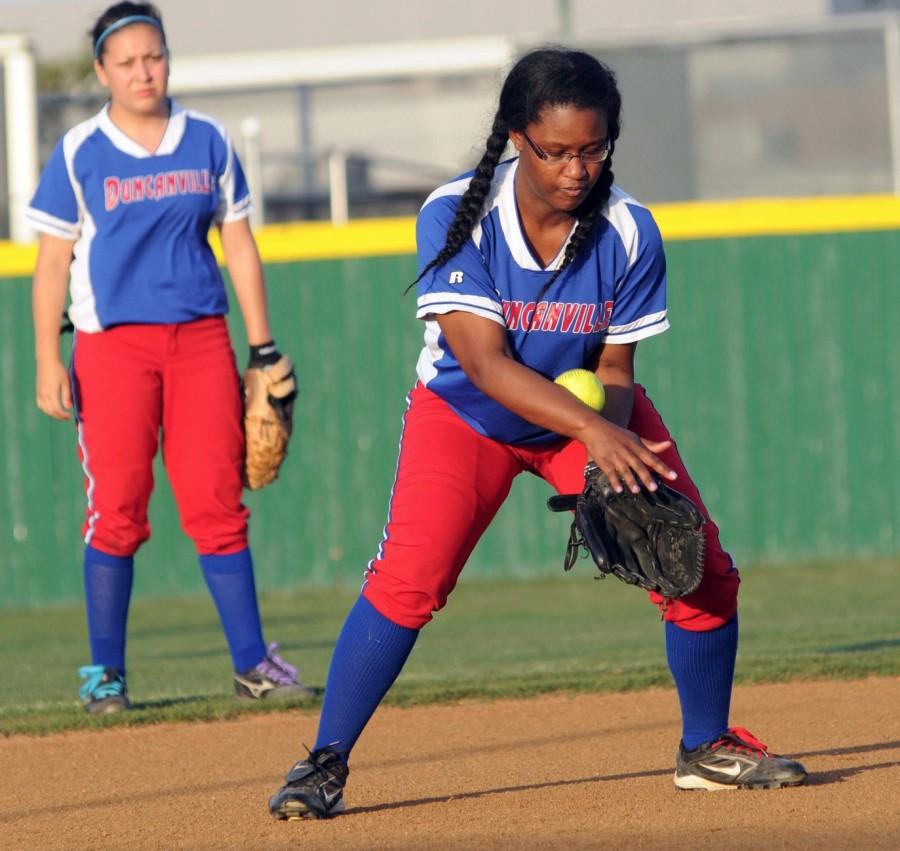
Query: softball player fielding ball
x=530, y=267
x=123, y=209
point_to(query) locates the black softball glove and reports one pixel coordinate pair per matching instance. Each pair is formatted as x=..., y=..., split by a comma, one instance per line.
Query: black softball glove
x=652, y=538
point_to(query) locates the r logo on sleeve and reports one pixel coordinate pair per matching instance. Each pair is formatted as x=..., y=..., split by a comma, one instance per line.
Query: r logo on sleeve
x=456, y=278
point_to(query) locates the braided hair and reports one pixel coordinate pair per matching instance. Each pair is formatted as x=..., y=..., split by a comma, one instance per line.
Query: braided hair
x=547, y=77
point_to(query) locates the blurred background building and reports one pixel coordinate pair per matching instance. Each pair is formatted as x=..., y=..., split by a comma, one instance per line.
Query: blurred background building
x=354, y=109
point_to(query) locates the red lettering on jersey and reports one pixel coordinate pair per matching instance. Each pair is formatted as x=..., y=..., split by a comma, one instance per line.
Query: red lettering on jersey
x=538, y=317
x=130, y=190
x=570, y=311
x=512, y=313
x=527, y=314
x=578, y=327
x=566, y=317
x=111, y=192
x=551, y=320
x=603, y=322
x=587, y=326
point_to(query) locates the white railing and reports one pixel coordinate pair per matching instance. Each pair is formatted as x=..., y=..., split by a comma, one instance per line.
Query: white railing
x=20, y=99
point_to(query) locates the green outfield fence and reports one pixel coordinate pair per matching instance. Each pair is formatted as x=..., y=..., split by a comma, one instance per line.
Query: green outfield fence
x=779, y=379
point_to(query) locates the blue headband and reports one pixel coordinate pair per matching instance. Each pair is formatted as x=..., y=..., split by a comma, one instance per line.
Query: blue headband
x=124, y=22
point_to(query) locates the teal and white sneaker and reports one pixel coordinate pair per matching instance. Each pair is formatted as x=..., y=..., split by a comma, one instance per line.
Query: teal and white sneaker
x=105, y=690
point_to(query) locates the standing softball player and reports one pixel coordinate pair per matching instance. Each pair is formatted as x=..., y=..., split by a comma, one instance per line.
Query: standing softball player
x=123, y=208
x=531, y=267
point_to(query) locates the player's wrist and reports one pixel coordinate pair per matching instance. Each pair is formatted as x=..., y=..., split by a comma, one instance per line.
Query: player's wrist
x=591, y=429
x=264, y=355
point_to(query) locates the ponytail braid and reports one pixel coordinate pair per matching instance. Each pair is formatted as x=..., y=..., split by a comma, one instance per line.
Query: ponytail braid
x=472, y=202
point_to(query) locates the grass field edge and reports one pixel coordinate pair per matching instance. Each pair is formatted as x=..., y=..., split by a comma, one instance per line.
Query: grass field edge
x=65, y=719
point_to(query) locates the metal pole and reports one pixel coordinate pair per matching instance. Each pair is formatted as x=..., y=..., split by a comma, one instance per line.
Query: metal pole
x=337, y=186
x=892, y=71
x=564, y=9
x=20, y=93
x=307, y=162
x=251, y=131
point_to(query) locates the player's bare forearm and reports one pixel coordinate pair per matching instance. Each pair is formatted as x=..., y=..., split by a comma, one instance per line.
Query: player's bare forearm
x=246, y=271
x=530, y=395
x=48, y=296
x=480, y=346
x=615, y=369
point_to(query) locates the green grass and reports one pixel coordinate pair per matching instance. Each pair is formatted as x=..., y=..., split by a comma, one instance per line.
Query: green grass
x=568, y=633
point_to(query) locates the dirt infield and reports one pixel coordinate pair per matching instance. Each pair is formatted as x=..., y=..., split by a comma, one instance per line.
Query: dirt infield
x=585, y=771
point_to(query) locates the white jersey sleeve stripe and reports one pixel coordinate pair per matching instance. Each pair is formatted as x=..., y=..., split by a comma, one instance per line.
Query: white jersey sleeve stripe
x=235, y=201
x=638, y=330
x=426, y=313
x=649, y=319
x=45, y=223
x=457, y=187
x=239, y=211
x=434, y=303
x=620, y=217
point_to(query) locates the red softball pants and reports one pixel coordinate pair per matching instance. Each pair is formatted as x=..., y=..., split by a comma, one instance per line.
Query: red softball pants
x=450, y=483
x=137, y=384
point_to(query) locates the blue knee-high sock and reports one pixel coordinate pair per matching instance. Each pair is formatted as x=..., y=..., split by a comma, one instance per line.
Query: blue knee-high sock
x=702, y=664
x=107, y=593
x=369, y=655
x=230, y=581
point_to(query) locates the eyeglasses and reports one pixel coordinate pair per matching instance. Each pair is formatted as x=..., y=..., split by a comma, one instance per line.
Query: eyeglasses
x=589, y=157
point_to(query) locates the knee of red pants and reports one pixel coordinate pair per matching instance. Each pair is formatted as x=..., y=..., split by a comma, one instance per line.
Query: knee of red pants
x=119, y=535
x=219, y=535
x=403, y=605
x=210, y=508
x=408, y=587
x=212, y=514
x=217, y=524
x=115, y=520
x=116, y=535
x=714, y=603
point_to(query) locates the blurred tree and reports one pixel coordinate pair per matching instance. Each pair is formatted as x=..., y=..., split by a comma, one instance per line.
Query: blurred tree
x=59, y=76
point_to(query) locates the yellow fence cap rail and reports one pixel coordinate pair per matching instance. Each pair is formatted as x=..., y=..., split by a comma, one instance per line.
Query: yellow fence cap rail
x=777, y=216
x=287, y=243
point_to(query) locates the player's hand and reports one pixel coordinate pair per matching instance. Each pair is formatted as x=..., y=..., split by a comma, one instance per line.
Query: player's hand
x=626, y=458
x=53, y=392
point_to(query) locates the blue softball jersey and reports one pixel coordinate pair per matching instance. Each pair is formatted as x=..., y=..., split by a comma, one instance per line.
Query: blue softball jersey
x=140, y=220
x=614, y=292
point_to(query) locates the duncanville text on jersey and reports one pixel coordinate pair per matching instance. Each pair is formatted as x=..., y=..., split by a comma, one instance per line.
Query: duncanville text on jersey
x=568, y=317
x=155, y=187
